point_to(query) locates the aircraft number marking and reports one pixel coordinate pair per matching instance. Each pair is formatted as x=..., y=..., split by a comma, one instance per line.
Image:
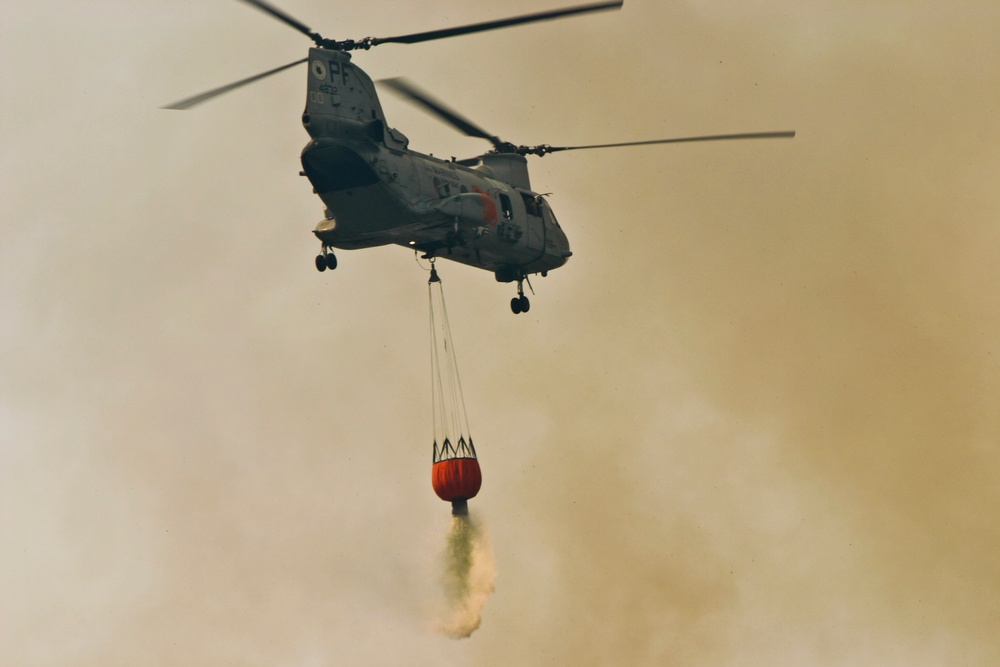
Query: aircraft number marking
x=318, y=96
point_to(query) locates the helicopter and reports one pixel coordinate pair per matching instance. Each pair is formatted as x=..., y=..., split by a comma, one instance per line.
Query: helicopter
x=480, y=211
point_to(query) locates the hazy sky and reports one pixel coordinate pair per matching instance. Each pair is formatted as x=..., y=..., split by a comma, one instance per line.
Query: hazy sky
x=752, y=422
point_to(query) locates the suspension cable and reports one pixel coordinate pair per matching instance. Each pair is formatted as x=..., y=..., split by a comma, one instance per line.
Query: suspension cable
x=450, y=419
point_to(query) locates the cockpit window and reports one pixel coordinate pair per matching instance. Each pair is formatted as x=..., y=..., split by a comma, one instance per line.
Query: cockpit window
x=547, y=210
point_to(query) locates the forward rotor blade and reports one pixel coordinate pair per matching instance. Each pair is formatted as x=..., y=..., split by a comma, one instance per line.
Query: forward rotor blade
x=407, y=89
x=215, y=92
x=283, y=17
x=542, y=150
x=493, y=25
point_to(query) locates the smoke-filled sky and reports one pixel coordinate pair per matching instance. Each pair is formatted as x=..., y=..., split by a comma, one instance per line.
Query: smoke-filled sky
x=752, y=422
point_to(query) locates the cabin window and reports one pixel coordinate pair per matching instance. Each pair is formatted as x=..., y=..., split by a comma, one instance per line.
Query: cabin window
x=508, y=212
x=442, y=187
x=530, y=204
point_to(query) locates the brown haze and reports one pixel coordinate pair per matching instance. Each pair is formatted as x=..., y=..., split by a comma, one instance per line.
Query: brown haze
x=752, y=422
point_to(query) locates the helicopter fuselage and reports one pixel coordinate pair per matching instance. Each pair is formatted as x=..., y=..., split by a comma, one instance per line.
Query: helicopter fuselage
x=376, y=191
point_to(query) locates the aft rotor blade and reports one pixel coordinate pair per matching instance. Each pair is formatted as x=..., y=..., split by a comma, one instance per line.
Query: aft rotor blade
x=542, y=150
x=404, y=87
x=215, y=92
x=493, y=25
x=283, y=17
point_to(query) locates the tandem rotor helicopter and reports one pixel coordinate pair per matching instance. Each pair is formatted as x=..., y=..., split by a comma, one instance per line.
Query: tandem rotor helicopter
x=479, y=211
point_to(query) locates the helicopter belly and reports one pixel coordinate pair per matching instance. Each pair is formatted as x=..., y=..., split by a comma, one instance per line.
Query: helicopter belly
x=365, y=217
x=498, y=260
x=499, y=248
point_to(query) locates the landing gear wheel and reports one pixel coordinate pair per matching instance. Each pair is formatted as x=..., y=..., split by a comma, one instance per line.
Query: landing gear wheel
x=321, y=262
x=331, y=261
x=520, y=303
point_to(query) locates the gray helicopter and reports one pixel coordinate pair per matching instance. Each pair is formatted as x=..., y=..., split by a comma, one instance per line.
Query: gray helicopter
x=480, y=211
